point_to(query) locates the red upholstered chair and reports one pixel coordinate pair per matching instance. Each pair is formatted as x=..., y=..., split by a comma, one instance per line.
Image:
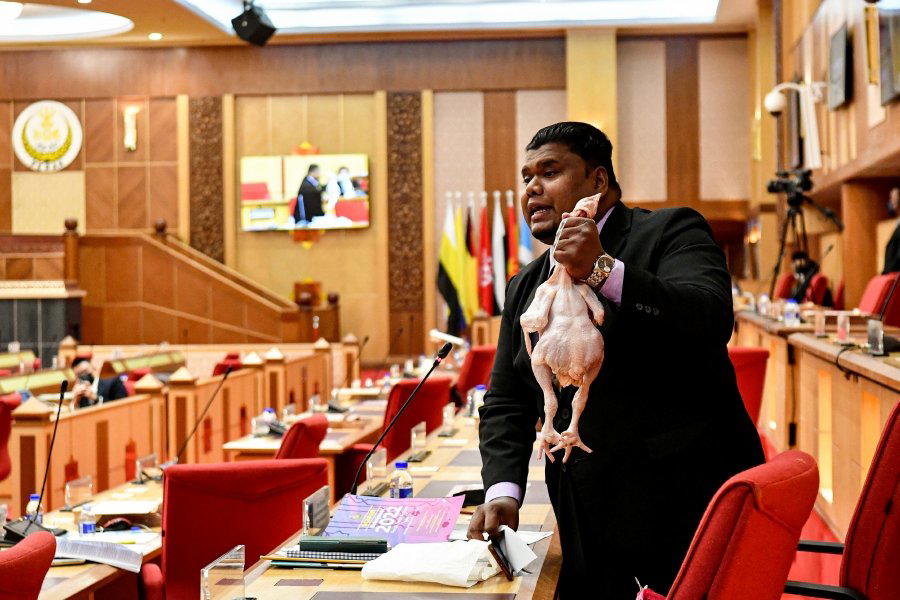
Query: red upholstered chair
x=355, y=210
x=475, y=370
x=12, y=400
x=784, y=285
x=871, y=554
x=839, y=296
x=221, y=367
x=744, y=545
x=5, y=372
x=817, y=289
x=24, y=566
x=209, y=509
x=428, y=406
x=876, y=295
x=303, y=438
x=5, y=430
x=750, y=369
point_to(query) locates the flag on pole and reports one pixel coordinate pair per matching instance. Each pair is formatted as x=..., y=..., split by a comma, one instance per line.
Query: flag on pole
x=449, y=273
x=471, y=261
x=459, y=225
x=485, y=264
x=526, y=254
x=498, y=246
x=512, y=254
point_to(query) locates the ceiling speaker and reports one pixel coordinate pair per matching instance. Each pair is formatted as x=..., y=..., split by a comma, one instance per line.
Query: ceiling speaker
x=253, y=25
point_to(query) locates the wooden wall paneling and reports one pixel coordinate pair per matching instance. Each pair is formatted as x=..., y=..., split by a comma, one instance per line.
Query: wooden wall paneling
x=5, y=198
x=132, y=196
x=183, y=134
x=682, y=121
x=862, y=207
x=206, y=205
x=99, y=130
x=158, y=274
x=6, y=166
x=158, y=326
x=162, y=190
x=429, y=214
x=230, y=216
x=404, y=136
x=102, y=206
x=500, y=168
x=162, y=116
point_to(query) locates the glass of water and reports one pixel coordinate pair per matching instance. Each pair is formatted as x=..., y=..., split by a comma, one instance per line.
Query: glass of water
x=79, y=491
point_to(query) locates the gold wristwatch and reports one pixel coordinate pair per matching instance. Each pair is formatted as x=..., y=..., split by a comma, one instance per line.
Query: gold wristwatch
x=602, y=268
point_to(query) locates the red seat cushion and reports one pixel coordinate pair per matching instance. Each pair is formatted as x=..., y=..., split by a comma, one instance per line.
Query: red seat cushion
x=816, y=290
x=209, y=509
x=303, y=438
x=24, y=566
x=743, y=547
x=476, y=369
x=750, y=370
x=783, y=286
x=876, y=295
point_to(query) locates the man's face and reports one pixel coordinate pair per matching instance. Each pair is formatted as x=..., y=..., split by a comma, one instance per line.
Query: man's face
x=84, y=368
x=314, y=173
x=555, y=179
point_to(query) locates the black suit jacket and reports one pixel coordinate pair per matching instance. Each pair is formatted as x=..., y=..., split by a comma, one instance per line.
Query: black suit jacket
x=666, y=393
x=892, y=253
x=311, y=198
x=109, y=389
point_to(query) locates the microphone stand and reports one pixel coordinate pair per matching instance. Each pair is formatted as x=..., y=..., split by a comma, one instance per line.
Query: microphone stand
x=441, y=355
x=19, y=529
x=184, y=444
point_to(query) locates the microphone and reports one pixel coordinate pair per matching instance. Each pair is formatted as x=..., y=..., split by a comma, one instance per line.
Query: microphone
x=209, y=402
x=19, y=529
x=441, y=355
x=396, y=338
x=358, y=360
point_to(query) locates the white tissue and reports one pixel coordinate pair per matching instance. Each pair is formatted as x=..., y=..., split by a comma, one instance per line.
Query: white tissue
x=459, y=563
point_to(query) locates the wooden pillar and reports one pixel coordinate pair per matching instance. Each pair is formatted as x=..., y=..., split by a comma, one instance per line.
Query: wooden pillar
x=352, y=358
x=28, y=447
x=861, y=207
x=157, y=417
x=253, y=361
x=274, y=380
x=323, y=350
x=70, y=247
x=182, y=414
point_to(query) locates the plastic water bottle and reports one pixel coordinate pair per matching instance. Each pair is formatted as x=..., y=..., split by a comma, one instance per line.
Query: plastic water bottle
x=269, y=415
x=401, y=481
x=33, y=510
x=791, y=313
x=87, y=521
x=762, y=306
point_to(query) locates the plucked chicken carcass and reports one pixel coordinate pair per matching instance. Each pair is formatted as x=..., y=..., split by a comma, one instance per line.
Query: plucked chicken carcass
x=565, y=315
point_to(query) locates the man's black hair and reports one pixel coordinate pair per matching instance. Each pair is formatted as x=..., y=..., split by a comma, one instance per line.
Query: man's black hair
x=588, y=142
x=80, y=359
x=312, y=168
x=799, y=255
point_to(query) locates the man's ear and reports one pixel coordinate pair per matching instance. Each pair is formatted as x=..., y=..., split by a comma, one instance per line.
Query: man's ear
x=600, y=180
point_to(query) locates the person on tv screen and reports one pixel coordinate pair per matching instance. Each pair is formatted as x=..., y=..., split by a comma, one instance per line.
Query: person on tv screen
x=309, y=197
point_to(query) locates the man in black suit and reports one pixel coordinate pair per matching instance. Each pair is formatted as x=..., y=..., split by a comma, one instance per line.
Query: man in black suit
x=309, y=197
x=664, y=418
x=90, y=390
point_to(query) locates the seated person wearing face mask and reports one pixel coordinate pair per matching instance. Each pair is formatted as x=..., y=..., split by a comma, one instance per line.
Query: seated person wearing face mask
x=89, y=390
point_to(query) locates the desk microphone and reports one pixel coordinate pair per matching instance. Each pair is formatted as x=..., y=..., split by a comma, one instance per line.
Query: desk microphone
x=209, y=402
x=19, y=529
x=441, y=355
x=358, y=361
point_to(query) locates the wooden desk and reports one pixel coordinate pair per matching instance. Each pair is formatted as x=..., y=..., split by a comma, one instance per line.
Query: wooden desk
x=336, y=441
x=457, y=464
x=92, y=579
x=843, y=401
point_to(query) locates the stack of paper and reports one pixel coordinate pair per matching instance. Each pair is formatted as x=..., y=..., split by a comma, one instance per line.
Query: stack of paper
x=109, y=553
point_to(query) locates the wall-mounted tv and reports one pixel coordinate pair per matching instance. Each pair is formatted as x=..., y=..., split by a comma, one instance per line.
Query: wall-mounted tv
x=889, y=40
x=310, y=191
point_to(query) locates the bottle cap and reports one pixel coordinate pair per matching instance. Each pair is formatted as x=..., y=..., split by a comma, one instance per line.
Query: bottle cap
x=38, y=496
x=480, y=386
x=136, y=528
x=269, y=410
x=400, y=465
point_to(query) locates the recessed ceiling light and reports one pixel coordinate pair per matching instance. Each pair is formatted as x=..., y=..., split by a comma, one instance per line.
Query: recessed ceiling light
x=84, y=1
x=10, y=10
x=48, y=23
x=155, y=36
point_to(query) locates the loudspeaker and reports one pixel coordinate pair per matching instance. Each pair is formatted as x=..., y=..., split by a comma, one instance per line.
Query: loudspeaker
x=253, y=26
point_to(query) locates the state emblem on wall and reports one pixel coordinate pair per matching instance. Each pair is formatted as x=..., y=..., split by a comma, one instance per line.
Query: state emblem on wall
x=47, y=136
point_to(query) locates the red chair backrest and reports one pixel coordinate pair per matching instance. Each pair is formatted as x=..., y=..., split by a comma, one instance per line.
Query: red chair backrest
x=208, y=509
x=355, y=210
x=875, y=296
x=784, y=285
x=221, y=367
x=233, y=356
x=745, y=543
x=428, y=406
x=138, y=374
x=303, y=438
x=24, y=566
x=5, y=430
x=816, y=290
x=476, y=369
x=750, y=369
x=872, y=548
x=839, y=296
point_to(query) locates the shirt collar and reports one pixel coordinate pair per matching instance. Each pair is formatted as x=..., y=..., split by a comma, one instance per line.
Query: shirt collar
x=600, y=225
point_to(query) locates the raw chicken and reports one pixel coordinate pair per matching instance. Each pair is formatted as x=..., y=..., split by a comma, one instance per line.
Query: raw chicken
x=565, y=315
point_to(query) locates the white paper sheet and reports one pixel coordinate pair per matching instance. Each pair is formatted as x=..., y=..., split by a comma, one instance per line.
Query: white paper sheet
x=459, y=563
x=109, y=553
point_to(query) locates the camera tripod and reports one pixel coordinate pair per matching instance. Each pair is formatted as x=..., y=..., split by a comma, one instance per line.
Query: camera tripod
x=795, y=222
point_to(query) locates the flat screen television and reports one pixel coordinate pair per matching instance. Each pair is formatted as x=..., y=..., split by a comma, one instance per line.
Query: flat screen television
x=889, y=41
x=315, y=191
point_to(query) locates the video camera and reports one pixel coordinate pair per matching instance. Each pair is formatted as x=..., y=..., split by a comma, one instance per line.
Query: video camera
x=793, y=183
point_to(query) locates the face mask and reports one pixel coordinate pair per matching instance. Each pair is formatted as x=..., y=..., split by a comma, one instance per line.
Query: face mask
x=86, y=377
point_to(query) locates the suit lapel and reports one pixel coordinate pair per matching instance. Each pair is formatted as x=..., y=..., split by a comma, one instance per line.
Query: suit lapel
x=615, y=230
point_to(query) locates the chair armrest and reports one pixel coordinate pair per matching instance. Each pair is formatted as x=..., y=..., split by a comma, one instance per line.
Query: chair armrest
x=152, y=583
x=818, y=590
x=820, y=547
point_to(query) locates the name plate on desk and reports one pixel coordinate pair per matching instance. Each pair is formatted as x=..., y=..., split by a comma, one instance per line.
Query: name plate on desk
x=315, y=510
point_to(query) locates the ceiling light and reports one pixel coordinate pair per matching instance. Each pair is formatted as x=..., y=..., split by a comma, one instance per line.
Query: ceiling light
x=155, y=36
x=10, y=10
x=48, y=23
x=84, y=1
